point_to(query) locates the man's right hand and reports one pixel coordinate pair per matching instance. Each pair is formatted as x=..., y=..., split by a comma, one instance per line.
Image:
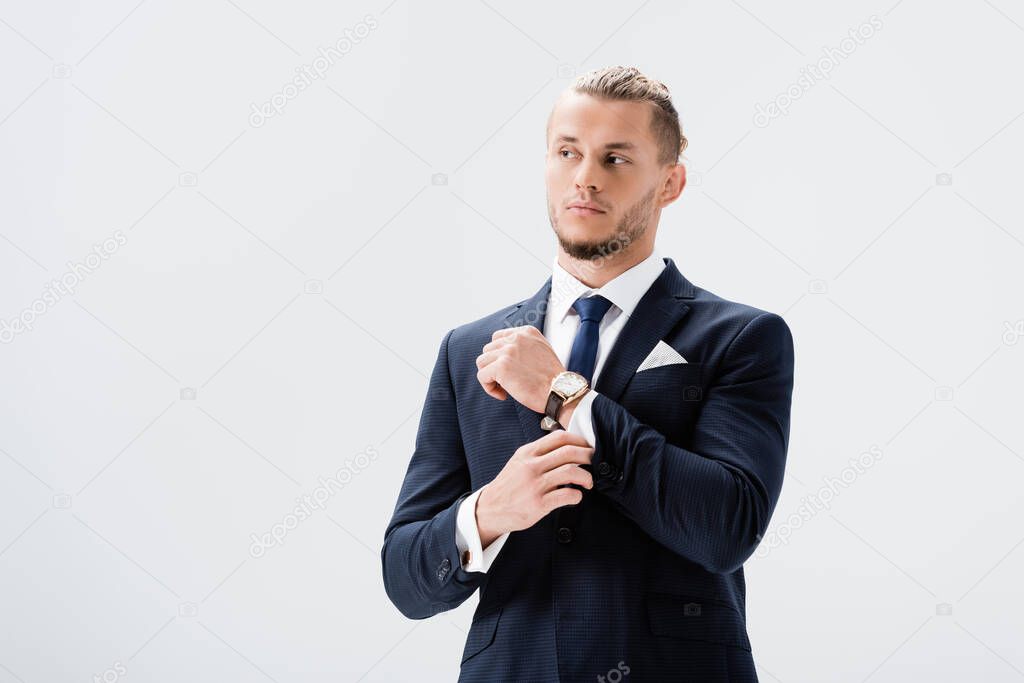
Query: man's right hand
x=527, y=488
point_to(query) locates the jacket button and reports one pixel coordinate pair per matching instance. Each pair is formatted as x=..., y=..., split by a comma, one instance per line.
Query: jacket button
x=603, y=469
x=565, y=535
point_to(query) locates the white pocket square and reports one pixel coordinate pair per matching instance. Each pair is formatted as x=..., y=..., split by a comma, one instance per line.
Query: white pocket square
x=661, y=354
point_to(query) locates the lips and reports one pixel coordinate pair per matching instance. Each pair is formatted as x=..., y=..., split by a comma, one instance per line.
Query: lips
x=586, y=208
x=583, y=211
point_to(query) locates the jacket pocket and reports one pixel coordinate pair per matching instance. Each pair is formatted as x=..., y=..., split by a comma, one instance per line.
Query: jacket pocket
x=668, y=397
x=687, y=617
x=677, y=381
x=481, y=634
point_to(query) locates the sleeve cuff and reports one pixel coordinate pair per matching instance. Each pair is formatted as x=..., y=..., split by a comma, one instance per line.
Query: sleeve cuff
x=467, y=537
x=582, y=420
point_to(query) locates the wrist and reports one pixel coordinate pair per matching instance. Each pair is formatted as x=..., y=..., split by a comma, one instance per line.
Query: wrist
x=483, y=518
x=568, y=408
x=567, y=388
x=565, y=414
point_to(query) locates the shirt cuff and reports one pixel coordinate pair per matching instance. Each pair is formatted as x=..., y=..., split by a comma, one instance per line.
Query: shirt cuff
x=582, y=420
x=467, y=537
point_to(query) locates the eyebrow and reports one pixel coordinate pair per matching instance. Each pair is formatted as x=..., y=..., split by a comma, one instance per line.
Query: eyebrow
x=610, y=145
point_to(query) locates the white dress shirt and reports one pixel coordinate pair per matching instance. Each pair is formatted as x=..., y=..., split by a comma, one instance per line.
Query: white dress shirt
x=560, y=326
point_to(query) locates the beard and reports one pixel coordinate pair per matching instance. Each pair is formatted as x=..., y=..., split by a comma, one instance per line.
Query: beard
x=630, y=228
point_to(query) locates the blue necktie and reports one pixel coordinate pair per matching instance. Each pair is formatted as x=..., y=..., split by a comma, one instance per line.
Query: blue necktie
x=583, y=356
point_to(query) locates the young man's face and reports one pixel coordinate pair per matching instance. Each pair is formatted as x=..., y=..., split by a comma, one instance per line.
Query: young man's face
x=625, y=181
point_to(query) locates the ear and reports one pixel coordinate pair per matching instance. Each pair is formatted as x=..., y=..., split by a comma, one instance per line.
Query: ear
x=674, y=184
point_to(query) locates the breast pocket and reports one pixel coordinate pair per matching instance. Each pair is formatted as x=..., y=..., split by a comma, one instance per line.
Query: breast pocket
x=668, y=398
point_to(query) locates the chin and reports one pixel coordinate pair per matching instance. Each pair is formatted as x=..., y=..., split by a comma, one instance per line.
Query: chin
x=584, y=226
x=584, y=244
x=591, y=228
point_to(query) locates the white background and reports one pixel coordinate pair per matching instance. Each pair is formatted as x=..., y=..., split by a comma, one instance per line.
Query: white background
x=881, y=216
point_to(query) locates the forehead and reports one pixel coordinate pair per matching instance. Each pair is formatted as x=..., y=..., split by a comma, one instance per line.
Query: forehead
x=597, y=122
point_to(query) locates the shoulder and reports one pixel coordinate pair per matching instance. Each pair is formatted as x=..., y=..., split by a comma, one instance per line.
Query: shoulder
x=470, y=337
x=730, y=322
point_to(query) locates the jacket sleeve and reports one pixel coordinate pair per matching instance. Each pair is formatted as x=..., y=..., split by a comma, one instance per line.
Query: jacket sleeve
x=422, y=571
x=710, y=503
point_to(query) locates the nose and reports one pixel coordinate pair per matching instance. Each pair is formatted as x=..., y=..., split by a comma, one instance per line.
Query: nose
x=587, y=177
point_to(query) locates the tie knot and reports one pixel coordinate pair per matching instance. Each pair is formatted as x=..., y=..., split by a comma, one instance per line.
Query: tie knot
x=592, y=308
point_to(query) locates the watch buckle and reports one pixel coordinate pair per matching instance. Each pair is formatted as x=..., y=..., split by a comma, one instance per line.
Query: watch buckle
x=547, y=424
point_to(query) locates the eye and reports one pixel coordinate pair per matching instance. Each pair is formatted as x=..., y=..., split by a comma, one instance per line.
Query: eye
x=625, y=161
x=564, y=150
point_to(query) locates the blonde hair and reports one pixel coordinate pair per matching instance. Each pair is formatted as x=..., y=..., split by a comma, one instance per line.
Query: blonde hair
x=629, y=84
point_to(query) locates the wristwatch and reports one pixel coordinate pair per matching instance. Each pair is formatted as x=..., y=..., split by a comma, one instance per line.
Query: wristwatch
x=566, y=387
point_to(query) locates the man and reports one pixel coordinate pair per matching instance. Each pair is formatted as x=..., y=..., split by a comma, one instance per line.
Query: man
x=600, y=459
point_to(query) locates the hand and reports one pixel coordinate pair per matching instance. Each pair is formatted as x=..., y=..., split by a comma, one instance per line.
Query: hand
x=519, y=362
x=527, y=488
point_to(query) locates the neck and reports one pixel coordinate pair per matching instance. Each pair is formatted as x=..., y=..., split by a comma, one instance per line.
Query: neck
x=596, y=273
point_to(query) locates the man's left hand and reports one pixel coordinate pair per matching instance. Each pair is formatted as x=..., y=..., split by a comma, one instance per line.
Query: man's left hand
x=519, y=362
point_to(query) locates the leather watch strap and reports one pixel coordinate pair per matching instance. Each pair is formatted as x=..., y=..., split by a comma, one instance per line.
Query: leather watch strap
x=554, y=405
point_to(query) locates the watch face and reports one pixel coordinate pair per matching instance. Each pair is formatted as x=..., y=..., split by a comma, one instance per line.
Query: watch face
x=568, y=383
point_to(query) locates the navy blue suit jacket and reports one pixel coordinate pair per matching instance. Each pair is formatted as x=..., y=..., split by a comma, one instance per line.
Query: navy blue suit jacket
x=642, y=580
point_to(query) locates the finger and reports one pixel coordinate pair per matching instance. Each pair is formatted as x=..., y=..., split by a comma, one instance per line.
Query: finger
x=485, y=359
x=497, y=343
x=505, y=332
x=509, y=334
x=496, y=391
x=553, y=440
x=490, y=383
x=488, y=371
x=560, y=497
x=566, y=454
x=570, y=473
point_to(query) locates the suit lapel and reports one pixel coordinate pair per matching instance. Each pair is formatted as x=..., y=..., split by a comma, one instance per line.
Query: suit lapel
x=659, y=310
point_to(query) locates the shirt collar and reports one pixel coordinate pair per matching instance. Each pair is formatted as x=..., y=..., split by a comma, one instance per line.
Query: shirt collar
x=624, y=291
